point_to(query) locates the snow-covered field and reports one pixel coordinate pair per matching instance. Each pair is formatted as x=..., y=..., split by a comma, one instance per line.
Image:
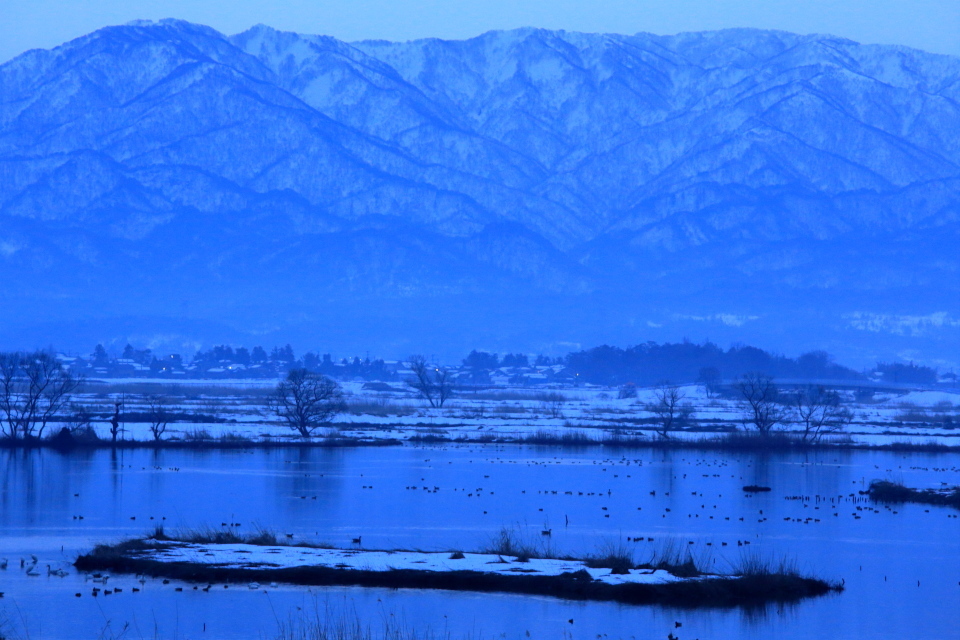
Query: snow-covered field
x=218, y=409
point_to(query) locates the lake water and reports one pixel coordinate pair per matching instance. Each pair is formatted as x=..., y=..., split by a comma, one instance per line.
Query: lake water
x=901, y=570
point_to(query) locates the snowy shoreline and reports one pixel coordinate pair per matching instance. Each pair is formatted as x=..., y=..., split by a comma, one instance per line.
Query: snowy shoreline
x=561, y=439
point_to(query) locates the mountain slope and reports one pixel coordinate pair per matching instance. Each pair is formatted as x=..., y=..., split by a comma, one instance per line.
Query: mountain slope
x=519, y=190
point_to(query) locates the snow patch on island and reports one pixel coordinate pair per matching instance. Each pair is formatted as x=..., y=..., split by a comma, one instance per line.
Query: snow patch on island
x=247, y=556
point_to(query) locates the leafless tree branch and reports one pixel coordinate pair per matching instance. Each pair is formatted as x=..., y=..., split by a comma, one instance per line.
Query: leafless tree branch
x=158, y=416
x=670, y=410
x=762, y=409
x=819, y=412
x=306, y=401
x=433, y=383
x=34, y=388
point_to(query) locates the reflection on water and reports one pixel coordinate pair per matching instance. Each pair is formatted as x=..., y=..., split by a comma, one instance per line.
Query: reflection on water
x=896, y=562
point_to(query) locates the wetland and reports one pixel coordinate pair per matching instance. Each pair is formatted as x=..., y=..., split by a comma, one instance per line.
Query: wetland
x=892, y=558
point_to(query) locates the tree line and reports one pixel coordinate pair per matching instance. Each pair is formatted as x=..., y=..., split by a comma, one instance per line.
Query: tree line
x=818, y=411
x=647, y=363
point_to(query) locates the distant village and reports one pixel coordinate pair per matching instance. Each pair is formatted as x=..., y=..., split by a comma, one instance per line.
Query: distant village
x=225, y=362
x=644, y=364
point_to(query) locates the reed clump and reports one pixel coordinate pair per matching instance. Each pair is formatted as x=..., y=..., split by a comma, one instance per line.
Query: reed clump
x=260, y=536
x=755, y=564
x=669, y=555
x=575, y=438
x=616, y=556
x=510, y=542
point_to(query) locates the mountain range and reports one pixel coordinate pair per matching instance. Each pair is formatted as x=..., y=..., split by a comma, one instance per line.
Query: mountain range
x=535, y=190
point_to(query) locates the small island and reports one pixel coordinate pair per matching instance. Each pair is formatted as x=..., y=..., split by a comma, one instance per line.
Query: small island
x=895, y=493
x=259, y=559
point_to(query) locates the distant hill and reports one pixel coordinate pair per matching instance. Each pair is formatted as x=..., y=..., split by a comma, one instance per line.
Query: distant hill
x=531, y=190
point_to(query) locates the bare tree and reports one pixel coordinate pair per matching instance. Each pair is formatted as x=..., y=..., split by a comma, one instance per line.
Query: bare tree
x=819, y=412
x=710, y=379
x=433, y=383
x=306, y=401
x=115, y=425
x=34, y=388
x=157, y=416
x=10, y=393
x=762, y=409
x=669, y=408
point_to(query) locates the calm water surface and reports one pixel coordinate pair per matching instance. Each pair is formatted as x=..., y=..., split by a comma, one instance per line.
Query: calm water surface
x=902, y=570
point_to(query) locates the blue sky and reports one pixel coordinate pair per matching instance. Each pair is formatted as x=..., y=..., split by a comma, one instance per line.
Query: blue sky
x=932, y=25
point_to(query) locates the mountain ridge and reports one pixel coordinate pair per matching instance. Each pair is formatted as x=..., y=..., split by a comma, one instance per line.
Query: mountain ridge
x=641, y=178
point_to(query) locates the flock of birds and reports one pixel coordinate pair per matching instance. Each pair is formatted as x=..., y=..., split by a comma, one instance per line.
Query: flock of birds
x=821, y=506
x=102, y=578
x=30, y=568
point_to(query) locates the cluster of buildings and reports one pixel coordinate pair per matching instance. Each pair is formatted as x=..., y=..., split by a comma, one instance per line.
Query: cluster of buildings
x=226, y=363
